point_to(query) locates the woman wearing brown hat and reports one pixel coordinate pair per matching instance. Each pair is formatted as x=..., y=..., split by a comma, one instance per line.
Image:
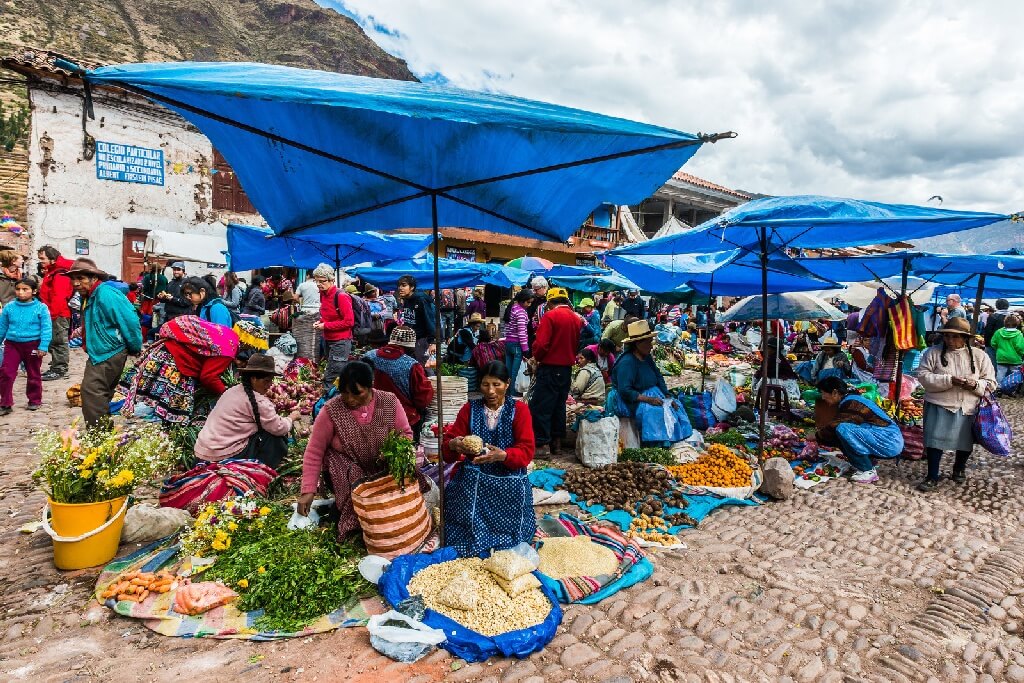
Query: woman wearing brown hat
x=955, y=377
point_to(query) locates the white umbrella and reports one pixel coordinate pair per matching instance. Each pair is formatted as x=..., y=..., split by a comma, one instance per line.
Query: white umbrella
x=796, y=306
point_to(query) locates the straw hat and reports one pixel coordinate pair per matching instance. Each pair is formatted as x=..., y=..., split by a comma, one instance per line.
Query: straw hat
x=259, y=364
x=85, y=266
x=403, y=336
x=638, y=331
x=475, y=318
x=830, y=340
x=351, y=289
x=957, y=326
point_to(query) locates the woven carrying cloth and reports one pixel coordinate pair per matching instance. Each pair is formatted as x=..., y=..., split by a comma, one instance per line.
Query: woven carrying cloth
x=214, y=481
x=205, y=338
x=155, y=381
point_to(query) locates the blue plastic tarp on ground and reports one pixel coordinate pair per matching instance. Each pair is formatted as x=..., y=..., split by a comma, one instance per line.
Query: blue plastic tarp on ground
x=814, y=222
x=390, y=145
x=252, y=247
x=453, y=273
x=699, y=506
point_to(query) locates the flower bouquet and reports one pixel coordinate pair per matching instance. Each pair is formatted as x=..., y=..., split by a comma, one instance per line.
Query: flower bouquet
x=217, y=524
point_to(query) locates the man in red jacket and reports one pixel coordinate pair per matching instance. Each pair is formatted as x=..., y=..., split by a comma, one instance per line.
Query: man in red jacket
x=54, y=291
x=554, y=350
x=396, y=370
x=336, y=321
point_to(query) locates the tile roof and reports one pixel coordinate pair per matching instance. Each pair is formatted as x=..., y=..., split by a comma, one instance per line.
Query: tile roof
x=707, y=184
x=29, y=59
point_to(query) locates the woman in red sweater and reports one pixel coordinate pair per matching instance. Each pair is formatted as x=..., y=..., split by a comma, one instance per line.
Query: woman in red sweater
x=489, y=501
x=191, y=353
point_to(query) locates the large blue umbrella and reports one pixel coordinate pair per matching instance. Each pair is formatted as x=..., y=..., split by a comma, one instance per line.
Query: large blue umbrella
x=453, y=273
x=251, y=247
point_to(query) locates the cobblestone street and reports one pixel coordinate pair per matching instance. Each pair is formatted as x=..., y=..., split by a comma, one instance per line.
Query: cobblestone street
x=840, y=583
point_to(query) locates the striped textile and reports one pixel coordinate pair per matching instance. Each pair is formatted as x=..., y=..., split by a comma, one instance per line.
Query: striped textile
x=394, y=522
x=580, y=587
x=901, y=321
x=212, y=481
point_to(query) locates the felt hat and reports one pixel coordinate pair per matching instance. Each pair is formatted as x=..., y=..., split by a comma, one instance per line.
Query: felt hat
x=475, y=318
x=557, y=293
x=85, y=266
x=957, y=326
x=830, y=340
x=403, y=336
x=638, y=330
x=259, y=364
x=586, y=302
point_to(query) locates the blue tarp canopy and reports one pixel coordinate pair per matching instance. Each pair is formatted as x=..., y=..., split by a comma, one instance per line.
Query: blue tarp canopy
x=453, y=273
x=928, y=266
x=573, y=271
x=328, y=153
x=722, y=273
x=594, y=283
x=997, y=286
x=814, y=222
x=251, y=247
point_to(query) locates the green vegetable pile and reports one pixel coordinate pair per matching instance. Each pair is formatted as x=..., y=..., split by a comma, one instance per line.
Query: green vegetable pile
x=658, y=456
x=293, y=576
x=399, y=456
x=731, y=438
x=451, y=369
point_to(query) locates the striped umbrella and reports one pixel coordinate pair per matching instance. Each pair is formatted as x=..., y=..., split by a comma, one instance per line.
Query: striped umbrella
x=531, y=263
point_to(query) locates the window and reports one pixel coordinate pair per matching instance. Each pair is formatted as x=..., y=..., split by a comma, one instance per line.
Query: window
x=228, y=194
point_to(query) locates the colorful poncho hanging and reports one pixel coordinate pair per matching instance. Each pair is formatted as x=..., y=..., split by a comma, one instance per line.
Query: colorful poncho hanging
x=901, y=322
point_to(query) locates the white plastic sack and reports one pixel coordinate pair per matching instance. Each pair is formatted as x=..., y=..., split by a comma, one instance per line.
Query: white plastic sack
x=522, y=379
x=629, y=435
x=402, y=644
x=312, y=519
x=723, y=399
x=144, y=523
x=597, y=443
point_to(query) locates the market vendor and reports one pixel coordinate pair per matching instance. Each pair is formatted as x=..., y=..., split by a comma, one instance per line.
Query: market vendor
x=776, y=367
x=189, y=353
x=830, y=362
x=346, y=441
x=720, y=343
x=208, y=305
x=739, y=341
x=494, y=475
x=860, y=429
x=396, y=371
x=605, y=352
x=635, y=371
x=232, y=428
x=588, y=386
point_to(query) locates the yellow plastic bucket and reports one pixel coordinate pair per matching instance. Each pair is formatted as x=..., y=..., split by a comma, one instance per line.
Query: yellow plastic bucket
x=84, y=534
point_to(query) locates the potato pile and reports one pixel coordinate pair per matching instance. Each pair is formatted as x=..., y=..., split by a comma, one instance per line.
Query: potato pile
x=622, y=486
x=495, y=612
x=719, y=467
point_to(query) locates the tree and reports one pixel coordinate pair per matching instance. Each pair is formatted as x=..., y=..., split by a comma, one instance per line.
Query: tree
x=13, y=125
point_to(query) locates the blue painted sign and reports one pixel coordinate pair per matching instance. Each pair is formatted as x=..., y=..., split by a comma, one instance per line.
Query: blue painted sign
x=129, y=164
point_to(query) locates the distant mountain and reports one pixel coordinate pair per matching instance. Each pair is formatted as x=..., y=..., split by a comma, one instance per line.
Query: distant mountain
x=992, y=238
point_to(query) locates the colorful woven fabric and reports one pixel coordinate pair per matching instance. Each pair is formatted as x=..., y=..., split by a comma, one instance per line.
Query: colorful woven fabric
x=157, y=613
x=873, y=319
x=214, y=481
x=205, y=338
x=253, y=336
x=901, y=322
x=155, y=381
x=578, y=588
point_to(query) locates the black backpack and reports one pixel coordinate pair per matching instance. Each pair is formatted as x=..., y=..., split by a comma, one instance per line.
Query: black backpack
x=362, y=318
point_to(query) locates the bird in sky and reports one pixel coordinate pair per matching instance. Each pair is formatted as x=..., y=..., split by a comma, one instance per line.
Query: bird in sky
x=935, y=196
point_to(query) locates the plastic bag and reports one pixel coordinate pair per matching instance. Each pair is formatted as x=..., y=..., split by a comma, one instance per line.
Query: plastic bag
x=1011, y=382
x=312, y=519
x=598, y=442
x=517, y=586
x=698, y=409
x=522, y=379
x=145, y=522
x=991, y=428
x=407, y=642
x=508, y=564
x=461, y=593
x=197, y=598
x=723, y=399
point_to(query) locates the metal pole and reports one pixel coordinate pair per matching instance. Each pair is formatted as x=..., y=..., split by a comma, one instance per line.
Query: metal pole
x=977, y=303
x=763, y=389
x=440, y=379
x=897, y=391
x=707, y=333
x=337, y=265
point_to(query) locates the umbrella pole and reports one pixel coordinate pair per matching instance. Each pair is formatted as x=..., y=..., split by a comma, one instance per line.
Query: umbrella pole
x=763, y=389
x=707, y=333
x=440, y=379
x=337, y=266
x=897, y=391
x=977, y=303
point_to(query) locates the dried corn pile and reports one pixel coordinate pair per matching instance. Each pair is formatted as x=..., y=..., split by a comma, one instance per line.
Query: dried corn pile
x=575, y=556
x=495, y=611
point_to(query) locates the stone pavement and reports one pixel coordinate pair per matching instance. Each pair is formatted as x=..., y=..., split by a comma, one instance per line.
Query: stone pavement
x=841, y=583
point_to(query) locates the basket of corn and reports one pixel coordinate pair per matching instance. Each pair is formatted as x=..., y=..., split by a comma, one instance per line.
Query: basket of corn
x=483, y=613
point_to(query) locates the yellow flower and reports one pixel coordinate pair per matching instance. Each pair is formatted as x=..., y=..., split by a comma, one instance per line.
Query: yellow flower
x=261, y=570
x=103, y=474
x=221, y=535
x=243, y=583
x=232, y=526
x=85, y=473
x=264, y=510
x=219, y=544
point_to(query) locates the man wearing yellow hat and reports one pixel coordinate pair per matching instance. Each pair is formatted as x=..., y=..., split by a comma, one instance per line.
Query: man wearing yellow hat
x=554, y=349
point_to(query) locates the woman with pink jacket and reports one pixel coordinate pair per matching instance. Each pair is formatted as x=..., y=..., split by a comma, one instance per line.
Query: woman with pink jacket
x=517, y=340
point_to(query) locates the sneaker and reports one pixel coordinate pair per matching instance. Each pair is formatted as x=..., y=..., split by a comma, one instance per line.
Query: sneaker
x=928, y=485
x=865, y=477
x=958, y=477
x=51, y=375
x=6, y=410
x=34, y=406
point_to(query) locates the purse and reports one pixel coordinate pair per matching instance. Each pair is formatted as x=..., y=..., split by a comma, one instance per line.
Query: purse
x=263, y=446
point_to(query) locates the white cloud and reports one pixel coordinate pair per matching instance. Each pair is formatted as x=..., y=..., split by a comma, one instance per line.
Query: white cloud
x=863, y=98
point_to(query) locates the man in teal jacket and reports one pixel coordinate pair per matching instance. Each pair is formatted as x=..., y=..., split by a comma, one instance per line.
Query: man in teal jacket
x=110, y=332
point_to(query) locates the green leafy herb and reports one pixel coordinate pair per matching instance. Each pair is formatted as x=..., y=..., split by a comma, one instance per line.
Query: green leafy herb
x=658, y=456
x=399, y=455
x=731, y=438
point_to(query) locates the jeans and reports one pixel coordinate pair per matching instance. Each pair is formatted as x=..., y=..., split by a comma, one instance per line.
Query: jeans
x=338, y=353
x=513, y=359
x=548, y=402
x=447, y=324
x=859, y=461
x=15, y=354
x=59, y=346
x=1002, y=370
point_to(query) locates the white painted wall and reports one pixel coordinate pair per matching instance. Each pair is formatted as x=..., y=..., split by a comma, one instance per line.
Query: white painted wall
x=66, y=200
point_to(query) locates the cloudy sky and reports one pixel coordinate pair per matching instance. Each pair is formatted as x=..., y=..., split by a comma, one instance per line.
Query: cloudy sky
x=874, y=99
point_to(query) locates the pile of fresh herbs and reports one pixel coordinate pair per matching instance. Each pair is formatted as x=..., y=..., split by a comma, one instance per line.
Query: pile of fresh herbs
x=658, y=456
x=399, y=456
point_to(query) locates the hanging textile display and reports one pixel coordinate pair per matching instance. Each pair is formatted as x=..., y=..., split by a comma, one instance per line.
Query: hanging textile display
x=901, y=324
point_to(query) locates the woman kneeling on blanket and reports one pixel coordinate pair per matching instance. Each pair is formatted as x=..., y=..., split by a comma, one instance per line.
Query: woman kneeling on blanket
x=860, y=429
x=489, y=501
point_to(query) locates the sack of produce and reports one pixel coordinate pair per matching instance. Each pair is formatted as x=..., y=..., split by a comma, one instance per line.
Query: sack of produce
x=461, y=593
x=508, y=565
x=501, y=626
x=517, y=586
x=144, y=523
x=402, y=639
x=394, y=521
x=913, y=441
x=698, y=409
x=197, y=598
x=597, y=444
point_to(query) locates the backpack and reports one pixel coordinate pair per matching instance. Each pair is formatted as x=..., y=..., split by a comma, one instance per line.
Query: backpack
x=447, y=299
x=361, y=316
x=235, y=317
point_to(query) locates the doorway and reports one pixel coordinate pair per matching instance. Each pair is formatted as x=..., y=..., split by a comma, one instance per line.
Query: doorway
x=133, y=251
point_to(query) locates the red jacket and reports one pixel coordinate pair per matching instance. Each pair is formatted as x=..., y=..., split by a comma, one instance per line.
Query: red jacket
x=55, y=289
x=420, y=389
x=558, y=337
x=204, y=368
x=519, y=454
x=336, y=314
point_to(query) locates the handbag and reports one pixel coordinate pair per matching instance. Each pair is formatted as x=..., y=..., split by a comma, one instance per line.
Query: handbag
x=698, y=409
x=263, y=446
x=1012, y=381
x=991, y=428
